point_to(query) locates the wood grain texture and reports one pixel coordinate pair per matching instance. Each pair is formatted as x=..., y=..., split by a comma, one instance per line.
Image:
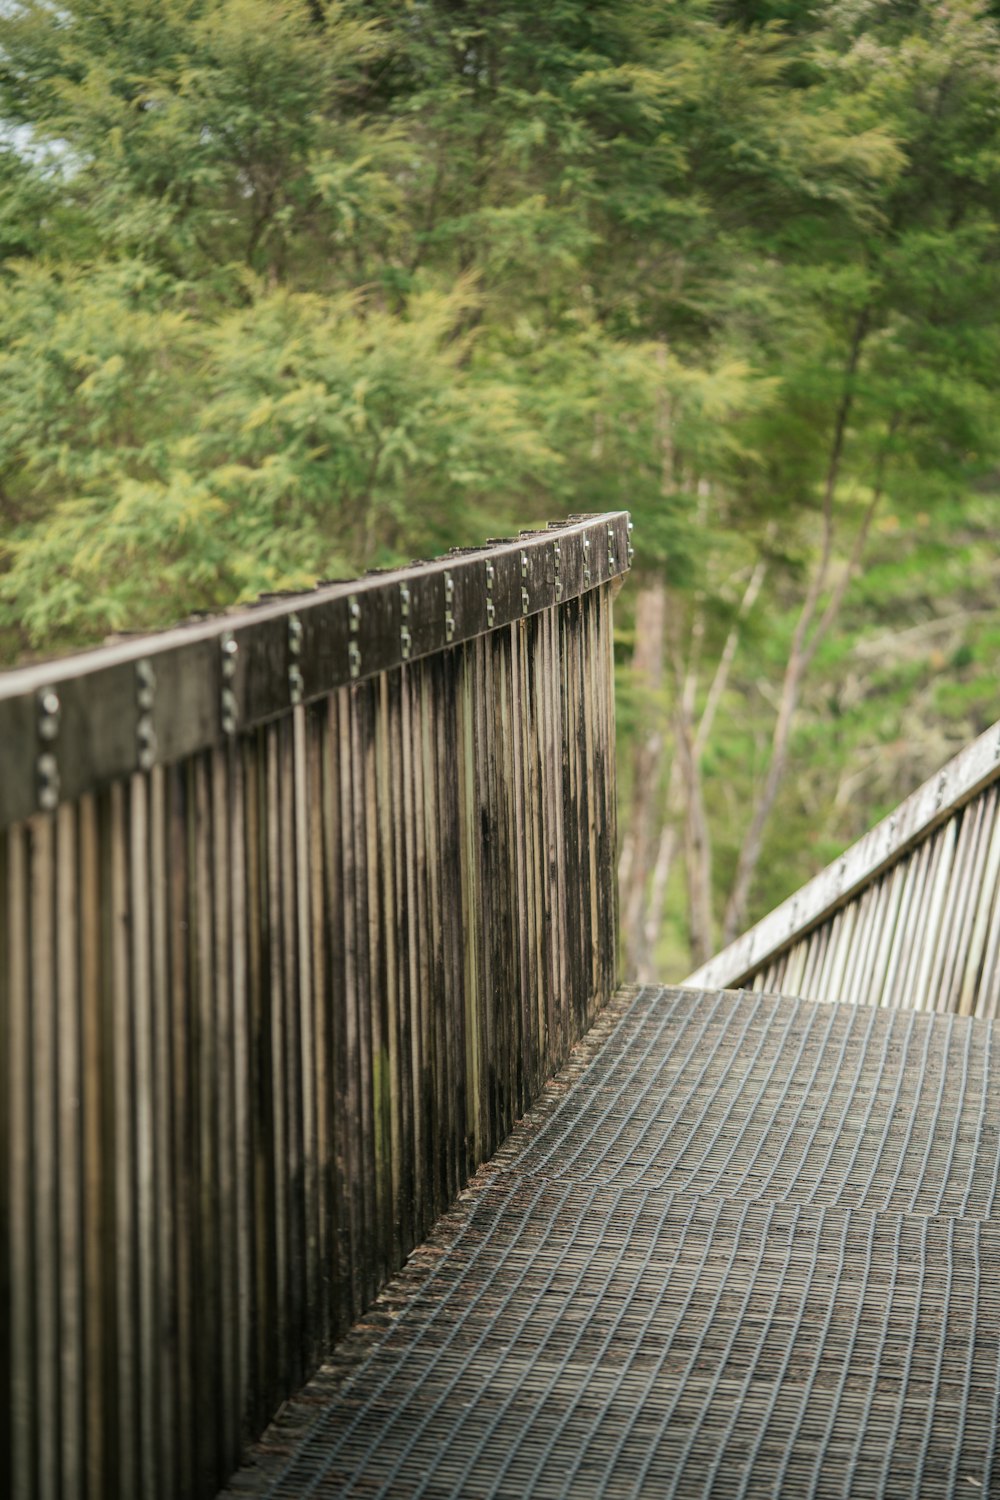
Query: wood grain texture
x=921, y=933
x=937, y=898
x=266, y=1008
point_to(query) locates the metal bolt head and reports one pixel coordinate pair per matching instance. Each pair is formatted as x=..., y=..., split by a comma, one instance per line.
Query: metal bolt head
x=145, y=736
x=49, y=710
x=228, y=715
x=449, y=600
x=145, y=685
x=48, y=782
x=230, y=649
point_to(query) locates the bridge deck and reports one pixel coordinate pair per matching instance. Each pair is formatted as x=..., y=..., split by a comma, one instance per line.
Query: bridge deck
x=745, y=1245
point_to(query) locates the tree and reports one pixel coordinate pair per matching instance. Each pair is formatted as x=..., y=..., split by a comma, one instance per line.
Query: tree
x=296, y=288
x=880, y=341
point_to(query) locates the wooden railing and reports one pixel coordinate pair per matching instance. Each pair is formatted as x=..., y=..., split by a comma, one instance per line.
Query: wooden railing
x=909, y=916
x=298, y=909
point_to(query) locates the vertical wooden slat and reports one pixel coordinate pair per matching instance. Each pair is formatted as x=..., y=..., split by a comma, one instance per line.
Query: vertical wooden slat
x=491, y=987
x=95, y=1167
x=590, y=790
x=70, y=1207
x=814, y=958
x=436, y=1080
x=390, y=902
x=18, y=1222
x=263, y=1330
x=526, y=887
x=316, y=920
x=240, y=1266
x=933, y=861
x=45, y=1157
x=469, y=854
x=304, y=823
x=891, y=887
x=793, y=967
x=287, y=1031
x=177, y=792
x=120, y=1129
x=207, y=1293
x=970, y=989
x=899, y=952
x=855, y=949
x=549, y=798
x=359, y=752
x=343, y=1123
x=223, y=871
x=987, y=1003
x=164, y=1199
x=140, y=1003
x=410, y=945
x=275, y=1144
x=967, y=884
x=264, y=1010
x=353, y=1116
x=374, y=857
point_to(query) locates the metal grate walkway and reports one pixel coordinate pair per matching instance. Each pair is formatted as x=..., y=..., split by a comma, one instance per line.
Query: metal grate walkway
x=745, y=1246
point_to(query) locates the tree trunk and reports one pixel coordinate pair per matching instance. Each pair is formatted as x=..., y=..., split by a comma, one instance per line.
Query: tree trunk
x=805, y=646
x=676, y=803
x=647, y=763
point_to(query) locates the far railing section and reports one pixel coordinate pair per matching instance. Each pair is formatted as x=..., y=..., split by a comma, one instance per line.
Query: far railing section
x=299, y=907
x=909, y=916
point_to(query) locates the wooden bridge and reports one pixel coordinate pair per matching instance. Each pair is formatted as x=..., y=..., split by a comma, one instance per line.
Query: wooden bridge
x=300, y=908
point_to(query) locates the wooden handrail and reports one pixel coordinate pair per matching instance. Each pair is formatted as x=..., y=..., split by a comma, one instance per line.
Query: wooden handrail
x=73, y=724
x=299, y=907
x=878, y=924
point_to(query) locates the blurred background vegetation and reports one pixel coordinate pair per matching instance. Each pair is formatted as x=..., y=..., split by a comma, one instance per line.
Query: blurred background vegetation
x=291, y=289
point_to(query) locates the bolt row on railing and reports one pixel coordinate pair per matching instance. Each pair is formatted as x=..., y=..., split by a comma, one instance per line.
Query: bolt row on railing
x=298, y=909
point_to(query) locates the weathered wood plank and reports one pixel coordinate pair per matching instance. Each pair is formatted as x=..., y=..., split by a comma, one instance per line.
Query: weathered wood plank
x=912, y=827
x=266, y=1007
x=344, y=632
x=69, y=1078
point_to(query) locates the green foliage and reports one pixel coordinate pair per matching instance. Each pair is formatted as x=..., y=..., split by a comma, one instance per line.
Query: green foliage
x=294, y=288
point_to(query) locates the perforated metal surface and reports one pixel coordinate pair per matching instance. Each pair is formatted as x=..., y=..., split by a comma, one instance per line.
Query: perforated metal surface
x=758, y=1096
x=748, y=1252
